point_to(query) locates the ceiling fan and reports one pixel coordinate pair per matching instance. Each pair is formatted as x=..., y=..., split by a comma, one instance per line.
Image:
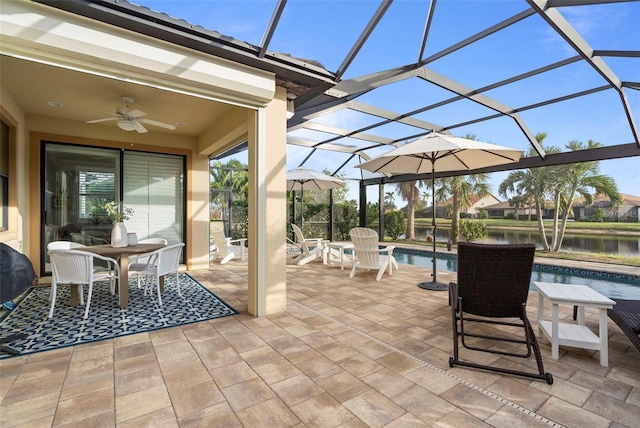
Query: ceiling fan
x=132, y=120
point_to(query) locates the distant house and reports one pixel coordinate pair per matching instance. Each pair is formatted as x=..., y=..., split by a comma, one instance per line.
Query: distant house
x=503, y=210
x=506, y=210
x=629, y=210
x=477, y=203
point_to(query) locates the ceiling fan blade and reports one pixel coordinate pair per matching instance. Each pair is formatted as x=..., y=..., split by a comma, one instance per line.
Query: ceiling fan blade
x=156, y=123
x=102, y=120
x=135, y=114
x=141, y=129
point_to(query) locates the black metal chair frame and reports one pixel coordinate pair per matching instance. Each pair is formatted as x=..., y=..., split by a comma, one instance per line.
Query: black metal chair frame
x=626, y=314
x=493, y=286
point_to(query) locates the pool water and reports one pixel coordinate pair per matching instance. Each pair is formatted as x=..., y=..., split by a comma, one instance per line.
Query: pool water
x=615, y=286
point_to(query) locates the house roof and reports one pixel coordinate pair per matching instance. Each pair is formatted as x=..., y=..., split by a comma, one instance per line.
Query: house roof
x=500, y=206
x=602, y=200
x=505, y=98
x=474, y=199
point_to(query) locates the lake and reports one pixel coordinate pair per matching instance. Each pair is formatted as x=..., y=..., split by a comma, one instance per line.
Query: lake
x=613, y=244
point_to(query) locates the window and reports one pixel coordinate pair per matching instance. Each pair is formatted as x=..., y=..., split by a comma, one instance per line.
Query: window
x=4, y=175
x=96, y=188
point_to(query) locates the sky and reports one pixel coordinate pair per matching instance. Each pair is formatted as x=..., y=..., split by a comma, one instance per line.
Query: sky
x=325, y=31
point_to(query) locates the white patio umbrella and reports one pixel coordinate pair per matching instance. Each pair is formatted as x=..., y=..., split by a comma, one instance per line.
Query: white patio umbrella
x=438, y=153
x=301, y=179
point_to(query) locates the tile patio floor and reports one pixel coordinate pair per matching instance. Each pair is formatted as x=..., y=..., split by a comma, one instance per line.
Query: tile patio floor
x=346, y=353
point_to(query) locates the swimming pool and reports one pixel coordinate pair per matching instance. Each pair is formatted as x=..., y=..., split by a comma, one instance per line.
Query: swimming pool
x=612, y=285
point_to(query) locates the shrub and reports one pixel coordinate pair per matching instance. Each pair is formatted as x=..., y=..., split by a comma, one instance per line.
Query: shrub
x=599, y=214
x=472, y=230
x=372, y=213
x=345, y=218
x=394, y=224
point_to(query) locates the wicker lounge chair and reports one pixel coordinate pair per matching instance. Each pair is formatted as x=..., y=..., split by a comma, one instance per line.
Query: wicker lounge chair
x=493, y=286
x=626, y=314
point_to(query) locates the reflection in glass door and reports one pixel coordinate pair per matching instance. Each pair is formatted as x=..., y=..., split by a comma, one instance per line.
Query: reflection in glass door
x=78, y=181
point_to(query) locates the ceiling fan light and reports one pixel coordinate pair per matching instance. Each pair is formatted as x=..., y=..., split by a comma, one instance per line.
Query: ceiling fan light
x=126, y=125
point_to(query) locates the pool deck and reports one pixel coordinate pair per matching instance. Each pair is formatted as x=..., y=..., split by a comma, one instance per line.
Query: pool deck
x=347, y=352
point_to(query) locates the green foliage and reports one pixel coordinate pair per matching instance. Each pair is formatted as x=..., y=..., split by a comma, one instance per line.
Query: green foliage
x=472, y=230
x=483, y=214
x=113, y=211
x=373, y=213
x=230, y=181
x=345, y=218
x=394, y=224
x=599, y=214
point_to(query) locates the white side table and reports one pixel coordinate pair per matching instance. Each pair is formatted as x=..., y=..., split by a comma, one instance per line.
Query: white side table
x=339, y=247
x=569, y=334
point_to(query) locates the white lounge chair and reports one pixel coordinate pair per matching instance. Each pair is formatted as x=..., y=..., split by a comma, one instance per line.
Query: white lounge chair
x=224, y=247
x=311, y=248
x=368, y=254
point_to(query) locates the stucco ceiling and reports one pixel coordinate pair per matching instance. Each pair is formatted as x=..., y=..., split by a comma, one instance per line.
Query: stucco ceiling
x=88, y=97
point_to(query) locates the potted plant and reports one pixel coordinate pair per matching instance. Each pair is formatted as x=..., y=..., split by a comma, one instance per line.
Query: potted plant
x=119, y=231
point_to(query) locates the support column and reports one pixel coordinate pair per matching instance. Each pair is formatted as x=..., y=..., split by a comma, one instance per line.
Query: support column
x=267, y=208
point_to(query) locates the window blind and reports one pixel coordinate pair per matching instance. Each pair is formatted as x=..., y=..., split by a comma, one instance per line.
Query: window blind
x=153, y=187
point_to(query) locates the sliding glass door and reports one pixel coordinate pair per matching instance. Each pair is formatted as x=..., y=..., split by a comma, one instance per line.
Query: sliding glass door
x=78, y=181
x=154, y=189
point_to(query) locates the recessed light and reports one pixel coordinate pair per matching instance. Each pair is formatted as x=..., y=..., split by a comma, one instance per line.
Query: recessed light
x=55, y=104
x=181, y=124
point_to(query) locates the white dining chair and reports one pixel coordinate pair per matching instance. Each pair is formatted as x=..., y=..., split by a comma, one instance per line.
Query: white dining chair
x=146, y=260
x=99, y=266
x=64, y=245
x=75, y=267
x=167, y=261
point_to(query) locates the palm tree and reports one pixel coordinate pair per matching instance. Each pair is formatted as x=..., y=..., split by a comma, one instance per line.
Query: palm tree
x=232, y=179
x=410, y=193
x=389, y=199
x=519, y=202
x=578, y=180
x=461, y=189
x=533, y=184
x=425, y=198
x=230, y=176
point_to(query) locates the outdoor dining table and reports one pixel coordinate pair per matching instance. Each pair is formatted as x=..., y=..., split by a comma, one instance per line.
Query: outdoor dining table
x=122, y=254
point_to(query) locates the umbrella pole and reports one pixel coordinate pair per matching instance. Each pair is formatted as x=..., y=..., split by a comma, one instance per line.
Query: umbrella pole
x=434, y=284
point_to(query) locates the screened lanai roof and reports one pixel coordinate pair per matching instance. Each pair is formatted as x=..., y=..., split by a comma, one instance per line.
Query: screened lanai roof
x=365, y=76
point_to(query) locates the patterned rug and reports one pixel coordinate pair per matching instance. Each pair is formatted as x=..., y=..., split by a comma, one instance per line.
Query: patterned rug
x=106, y=320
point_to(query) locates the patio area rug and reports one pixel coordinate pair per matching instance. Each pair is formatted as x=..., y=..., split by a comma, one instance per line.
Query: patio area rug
x=106, y=320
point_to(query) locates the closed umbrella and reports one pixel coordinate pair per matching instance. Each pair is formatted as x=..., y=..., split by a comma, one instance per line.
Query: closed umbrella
x=301, y=178
x=438, y=153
